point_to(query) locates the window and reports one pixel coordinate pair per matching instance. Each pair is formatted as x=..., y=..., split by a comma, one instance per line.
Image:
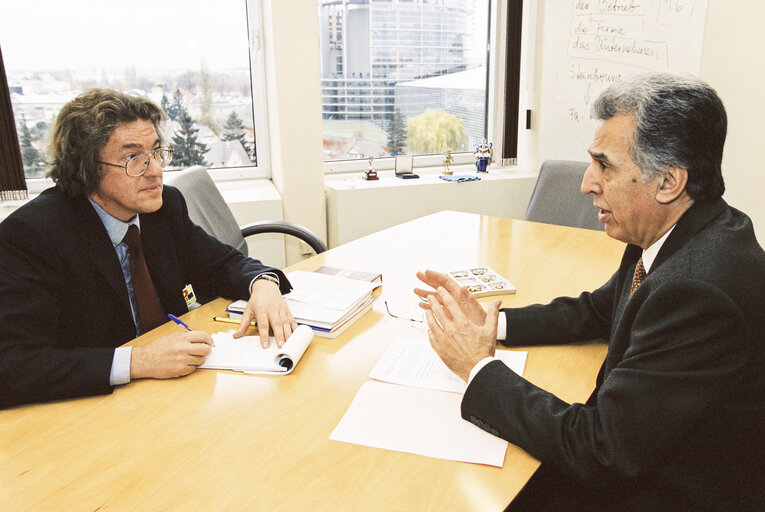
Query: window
x=402, y=78
x=192, y=57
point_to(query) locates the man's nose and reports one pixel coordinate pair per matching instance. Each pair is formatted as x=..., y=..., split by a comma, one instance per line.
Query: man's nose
x=589, y=184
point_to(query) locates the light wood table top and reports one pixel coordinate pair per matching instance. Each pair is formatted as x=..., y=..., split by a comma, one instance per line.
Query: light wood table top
x=218, y=440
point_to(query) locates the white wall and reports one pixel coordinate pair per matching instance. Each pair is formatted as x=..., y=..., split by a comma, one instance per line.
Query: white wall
x=293, y=89
x=732, y=62
x=733, y=44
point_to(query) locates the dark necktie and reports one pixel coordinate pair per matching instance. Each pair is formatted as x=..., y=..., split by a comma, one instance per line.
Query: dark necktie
x=638, y=277
x=150, y=311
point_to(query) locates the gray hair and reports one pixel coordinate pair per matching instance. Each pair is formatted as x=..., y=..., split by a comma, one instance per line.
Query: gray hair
x=679, y=121
x=83, y=128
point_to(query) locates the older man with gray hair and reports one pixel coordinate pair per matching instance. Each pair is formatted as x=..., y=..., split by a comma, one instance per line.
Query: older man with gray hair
x=677, y=417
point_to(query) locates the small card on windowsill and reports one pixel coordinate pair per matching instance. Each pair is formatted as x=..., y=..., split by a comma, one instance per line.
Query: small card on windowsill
x=482, y=281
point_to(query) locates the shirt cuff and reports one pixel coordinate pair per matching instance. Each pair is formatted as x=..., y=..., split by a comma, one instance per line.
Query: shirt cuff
x=120, y=373
x=479, y=366
x=501, y=326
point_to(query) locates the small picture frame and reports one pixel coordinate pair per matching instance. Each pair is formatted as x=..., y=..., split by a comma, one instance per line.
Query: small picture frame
x=403, y=167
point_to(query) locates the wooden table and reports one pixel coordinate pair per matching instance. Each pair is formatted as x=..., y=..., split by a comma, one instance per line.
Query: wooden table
x=218, y=440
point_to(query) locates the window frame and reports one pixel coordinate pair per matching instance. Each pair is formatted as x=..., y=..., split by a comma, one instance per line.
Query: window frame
x=495, y=106
x=254, y=14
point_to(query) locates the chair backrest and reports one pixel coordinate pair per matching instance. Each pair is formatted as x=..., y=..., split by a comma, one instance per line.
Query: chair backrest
x=557, y=198
x=207, y=208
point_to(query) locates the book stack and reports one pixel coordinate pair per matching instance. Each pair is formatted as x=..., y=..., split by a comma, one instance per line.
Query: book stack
x=326, y=302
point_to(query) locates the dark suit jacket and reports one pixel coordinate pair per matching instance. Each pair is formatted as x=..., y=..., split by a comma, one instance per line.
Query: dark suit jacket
x=677, y=419
x=63, y=301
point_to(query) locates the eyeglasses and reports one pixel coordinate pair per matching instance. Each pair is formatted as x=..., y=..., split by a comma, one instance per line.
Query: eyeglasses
x=137, y=165
x=419, y=324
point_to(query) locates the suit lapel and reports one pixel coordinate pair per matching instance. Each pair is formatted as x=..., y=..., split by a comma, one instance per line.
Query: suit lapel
x=161, y=259
x=98, y=247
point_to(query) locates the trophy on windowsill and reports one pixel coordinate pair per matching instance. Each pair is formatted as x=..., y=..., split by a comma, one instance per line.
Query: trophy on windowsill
x=371, y=174
x=448, y=159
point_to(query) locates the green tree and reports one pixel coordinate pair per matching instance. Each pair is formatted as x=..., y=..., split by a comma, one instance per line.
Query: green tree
x=397, y=134
x=435, y=131
x=234, y=130
x=29, y=154
x=164, y=104
x=187, y=150
x=173, y=110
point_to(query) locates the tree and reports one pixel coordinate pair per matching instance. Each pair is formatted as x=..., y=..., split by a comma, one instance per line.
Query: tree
x=234, y=130
x=29, y=154
x=397, y=134
x=207, y=117
x=164, y=104
x=173, y=110
x=435, y=131
x=187, y=150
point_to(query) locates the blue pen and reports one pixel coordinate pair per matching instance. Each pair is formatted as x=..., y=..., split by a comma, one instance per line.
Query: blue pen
x=179, y=322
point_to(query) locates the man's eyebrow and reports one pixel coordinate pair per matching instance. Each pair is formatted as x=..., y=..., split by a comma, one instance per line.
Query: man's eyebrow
x=133, y=145
x=598, y=156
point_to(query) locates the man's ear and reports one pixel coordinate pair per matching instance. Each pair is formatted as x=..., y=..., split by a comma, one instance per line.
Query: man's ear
x=671, y=184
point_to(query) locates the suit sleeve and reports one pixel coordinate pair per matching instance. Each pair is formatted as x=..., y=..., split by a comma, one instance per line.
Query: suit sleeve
x=34, y=367
x=687, y=347
x=218, y=269
x=564, y=320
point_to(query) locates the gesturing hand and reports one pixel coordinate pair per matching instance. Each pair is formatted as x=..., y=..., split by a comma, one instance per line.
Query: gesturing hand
x=457, y=338
x=467, y=303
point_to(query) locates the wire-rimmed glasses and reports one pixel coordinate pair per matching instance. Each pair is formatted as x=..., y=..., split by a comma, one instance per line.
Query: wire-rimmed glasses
x=419, y=324
x=137, y=165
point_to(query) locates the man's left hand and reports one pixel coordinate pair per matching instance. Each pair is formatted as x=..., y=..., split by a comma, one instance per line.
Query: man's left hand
x=459, y=341
x=267, y=307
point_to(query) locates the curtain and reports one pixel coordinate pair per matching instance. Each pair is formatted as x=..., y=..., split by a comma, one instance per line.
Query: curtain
x=13, y=184
x=512, y=82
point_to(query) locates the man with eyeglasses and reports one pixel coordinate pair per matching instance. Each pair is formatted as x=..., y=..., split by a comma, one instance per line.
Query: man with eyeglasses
x=105, y=254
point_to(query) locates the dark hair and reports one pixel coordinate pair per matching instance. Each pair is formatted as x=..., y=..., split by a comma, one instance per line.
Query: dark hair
x=679, y=121
x=83, y=128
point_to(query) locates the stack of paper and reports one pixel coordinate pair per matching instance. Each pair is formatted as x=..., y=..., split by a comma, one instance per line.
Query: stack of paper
x=413, y=406
x=246, y=354
x=328, y=304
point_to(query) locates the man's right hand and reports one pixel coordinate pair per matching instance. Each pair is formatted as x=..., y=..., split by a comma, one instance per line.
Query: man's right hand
x=174, y=355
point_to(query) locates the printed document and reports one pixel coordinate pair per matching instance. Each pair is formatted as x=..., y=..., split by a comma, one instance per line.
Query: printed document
x=413, y=362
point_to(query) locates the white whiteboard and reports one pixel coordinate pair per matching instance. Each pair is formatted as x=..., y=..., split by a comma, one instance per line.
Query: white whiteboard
x=589, y=44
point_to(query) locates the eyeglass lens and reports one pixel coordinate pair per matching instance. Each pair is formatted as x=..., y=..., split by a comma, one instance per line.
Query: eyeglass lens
x=137, y=165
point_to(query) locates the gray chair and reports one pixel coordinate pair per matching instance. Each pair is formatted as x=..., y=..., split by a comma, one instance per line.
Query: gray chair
x=557, y=197
x=209, y=210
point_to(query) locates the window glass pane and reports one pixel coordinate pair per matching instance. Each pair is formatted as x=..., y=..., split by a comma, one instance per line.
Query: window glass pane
x=190, y=56
x=402, y=77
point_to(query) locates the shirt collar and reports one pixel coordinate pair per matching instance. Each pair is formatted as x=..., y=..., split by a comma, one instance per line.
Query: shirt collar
x=116, y=228
x=649, y=255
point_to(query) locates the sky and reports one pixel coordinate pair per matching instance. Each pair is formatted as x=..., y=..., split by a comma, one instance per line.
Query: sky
x=148, y=34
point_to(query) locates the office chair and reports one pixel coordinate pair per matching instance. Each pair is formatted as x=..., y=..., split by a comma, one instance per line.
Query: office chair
x=557, y=198
x=209, y=210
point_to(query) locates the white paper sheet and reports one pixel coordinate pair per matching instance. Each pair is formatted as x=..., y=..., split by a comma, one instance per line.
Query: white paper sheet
x=413, y=362
x=414, y=420
x=247, y=355
x=327, y=291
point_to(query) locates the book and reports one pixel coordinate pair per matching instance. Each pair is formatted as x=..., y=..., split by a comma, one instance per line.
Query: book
x=247, y=355
x=350, y=273
x=483, y=281
x=329, y=304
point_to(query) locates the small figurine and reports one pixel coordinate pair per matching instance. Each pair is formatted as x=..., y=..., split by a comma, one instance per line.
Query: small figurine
x=484, y=155
x=371, y=174
x=448, y=159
